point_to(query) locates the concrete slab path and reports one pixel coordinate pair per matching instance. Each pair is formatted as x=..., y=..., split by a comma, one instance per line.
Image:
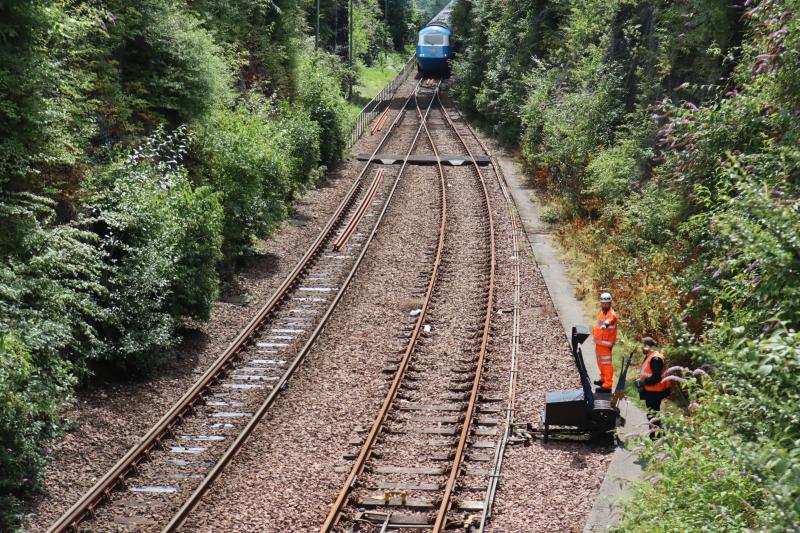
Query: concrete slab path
x=624, y=467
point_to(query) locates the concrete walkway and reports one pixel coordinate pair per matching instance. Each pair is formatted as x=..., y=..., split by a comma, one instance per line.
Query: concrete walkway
x=624, y=468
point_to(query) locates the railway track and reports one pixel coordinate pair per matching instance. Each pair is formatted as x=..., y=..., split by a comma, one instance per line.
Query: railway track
x=423, y=462
x=159, y=481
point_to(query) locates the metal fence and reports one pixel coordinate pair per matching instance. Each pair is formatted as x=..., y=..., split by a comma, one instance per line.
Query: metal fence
x=379, y=103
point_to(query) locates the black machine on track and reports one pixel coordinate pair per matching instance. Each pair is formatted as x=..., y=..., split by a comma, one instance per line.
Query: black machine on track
x=580, y=413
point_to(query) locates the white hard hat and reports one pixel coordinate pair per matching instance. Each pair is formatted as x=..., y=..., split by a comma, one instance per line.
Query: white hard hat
x=605, y=297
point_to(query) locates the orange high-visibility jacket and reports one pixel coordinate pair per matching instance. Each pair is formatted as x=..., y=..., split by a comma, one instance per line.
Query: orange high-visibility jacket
x=647, y=372
x=607, y=336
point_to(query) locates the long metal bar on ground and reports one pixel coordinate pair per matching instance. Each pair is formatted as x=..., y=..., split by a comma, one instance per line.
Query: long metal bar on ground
x=444, y=507
x=366, y=448
x=356, y=218
x=97, y=494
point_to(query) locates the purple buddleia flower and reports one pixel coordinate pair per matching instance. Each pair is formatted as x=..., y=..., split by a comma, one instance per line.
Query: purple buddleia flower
x=674, y=370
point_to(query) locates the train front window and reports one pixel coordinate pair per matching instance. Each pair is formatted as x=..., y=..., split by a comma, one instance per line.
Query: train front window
x=433, y=39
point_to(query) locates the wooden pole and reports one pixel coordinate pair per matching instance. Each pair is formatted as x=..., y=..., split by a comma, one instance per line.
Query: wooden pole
x=316, y=32
x=350, y=43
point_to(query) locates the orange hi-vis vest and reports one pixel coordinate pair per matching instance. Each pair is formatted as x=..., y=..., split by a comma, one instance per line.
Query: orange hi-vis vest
x=647, y=372
x=606, y=336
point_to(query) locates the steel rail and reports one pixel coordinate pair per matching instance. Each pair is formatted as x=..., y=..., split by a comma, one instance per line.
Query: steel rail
x=444, y=507
x=350, y=227
x=128, y=463
x=497, y=464
x=366, y=448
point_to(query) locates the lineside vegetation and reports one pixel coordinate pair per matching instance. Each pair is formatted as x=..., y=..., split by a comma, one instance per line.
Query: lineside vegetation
x=665, y=136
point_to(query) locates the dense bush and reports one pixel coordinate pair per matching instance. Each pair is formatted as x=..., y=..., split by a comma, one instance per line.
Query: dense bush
x=166, y=66
x=29, y=397
x=238, y=157
x=160, y=239
x=49, y=280
x=370, y=35
x=734, y=464
x=48, y=291
x=323, y=100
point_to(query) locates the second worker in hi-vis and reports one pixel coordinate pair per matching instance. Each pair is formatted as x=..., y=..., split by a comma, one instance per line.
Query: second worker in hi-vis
x=605, y=337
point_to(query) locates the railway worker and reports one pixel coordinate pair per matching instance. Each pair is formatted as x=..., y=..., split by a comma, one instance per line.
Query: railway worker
x=652, y=385
x=605, y=337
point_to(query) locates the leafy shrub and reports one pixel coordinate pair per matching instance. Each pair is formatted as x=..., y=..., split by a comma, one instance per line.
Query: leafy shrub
x=169, y=67
x=650, y=218
x=613, y=170
x=45, y=116
x=160, y=240
x=575, y=128
x=242, y=161
x=299, y=137
x=370, y=35
x=30, y=400
x=49, y=280
x=557, y=210
x=48, y=302
x=322, y=99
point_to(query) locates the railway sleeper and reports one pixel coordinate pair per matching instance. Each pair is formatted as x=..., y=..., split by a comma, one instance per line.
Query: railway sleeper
x=399, y=485
x=432, y=407
x=409, y=470
x=436, y=430
x=457, y=419
x=478, y=458
x=393, y=520
x=368, y=502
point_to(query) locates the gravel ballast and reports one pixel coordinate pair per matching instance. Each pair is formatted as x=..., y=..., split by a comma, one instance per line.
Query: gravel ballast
x=288, y=473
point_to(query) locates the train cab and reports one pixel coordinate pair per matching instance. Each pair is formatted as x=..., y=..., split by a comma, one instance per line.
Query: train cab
x=433, y=50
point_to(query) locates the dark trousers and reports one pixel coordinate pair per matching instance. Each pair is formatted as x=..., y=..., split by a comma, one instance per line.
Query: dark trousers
x=653, y=399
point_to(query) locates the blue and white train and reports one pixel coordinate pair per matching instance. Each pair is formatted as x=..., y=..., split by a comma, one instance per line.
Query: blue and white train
x=433, y=46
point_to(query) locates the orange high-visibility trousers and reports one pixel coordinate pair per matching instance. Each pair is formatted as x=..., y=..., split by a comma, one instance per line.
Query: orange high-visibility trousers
x=605, y=365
